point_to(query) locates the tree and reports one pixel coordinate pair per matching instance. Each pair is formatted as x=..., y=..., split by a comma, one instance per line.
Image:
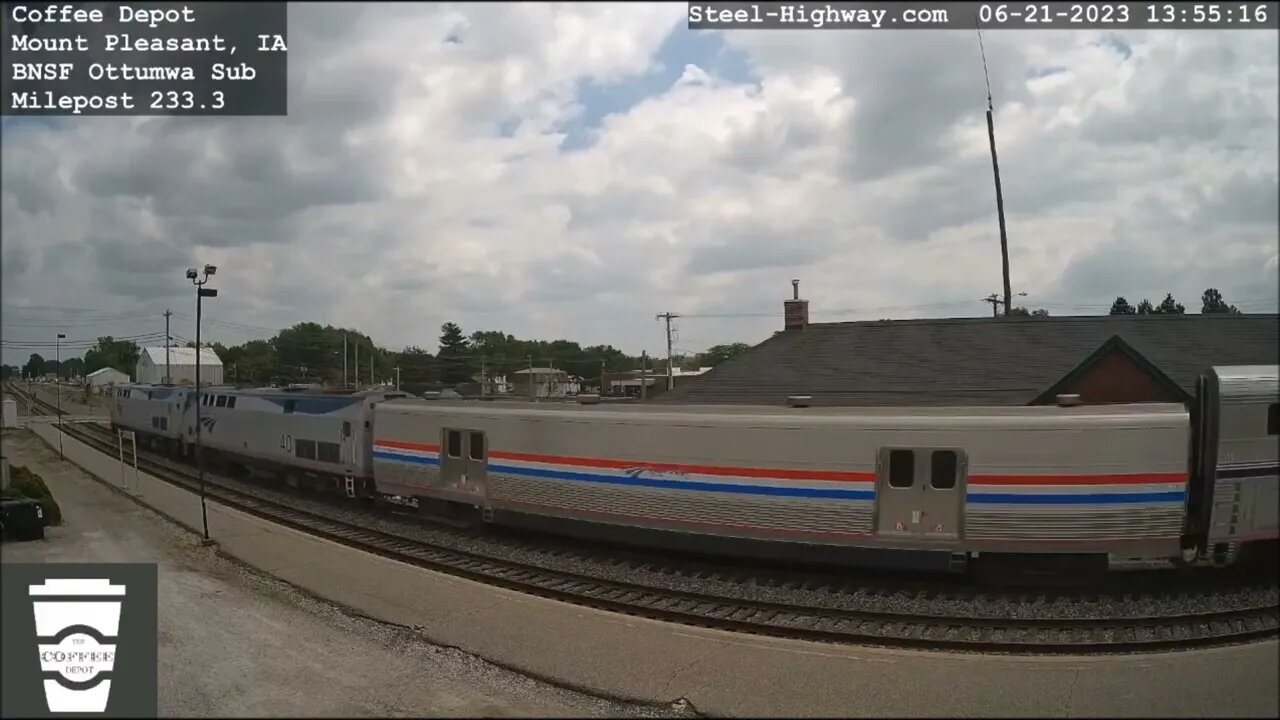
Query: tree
x=9, y=371
x=1122, y=307
x=1023, y=312
x=1212, y=302
x=71, y=367
x=1169, y=306
x=34, y=367
x=109, y=352
x=1144, y=307
x=455, y=366
x=417, y=369
x=718, y=354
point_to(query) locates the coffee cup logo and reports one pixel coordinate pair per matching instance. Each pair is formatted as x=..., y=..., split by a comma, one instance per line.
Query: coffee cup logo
x=77, y=623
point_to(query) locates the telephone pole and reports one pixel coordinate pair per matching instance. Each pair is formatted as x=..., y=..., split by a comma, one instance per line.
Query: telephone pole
x=996, y=302
x=671, y=378
x=644, y=373
x=530, y=359
x=168, y=379
x=344, y=361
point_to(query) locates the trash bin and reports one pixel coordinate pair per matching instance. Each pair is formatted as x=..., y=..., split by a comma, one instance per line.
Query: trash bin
x=21, y=519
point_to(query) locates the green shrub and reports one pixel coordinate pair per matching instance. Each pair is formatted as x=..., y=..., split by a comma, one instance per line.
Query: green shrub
x=24, y=483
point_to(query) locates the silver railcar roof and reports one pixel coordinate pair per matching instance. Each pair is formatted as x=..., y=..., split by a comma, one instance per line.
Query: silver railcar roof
x=1164, y=414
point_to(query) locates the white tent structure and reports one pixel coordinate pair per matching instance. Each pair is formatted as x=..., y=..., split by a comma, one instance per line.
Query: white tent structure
x=103, y=377
x=182, y=366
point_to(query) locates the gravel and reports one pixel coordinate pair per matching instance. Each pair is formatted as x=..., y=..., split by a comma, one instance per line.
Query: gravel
x=238, y=642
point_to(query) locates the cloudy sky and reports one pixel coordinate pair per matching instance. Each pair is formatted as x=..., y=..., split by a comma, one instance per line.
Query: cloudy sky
x=570, y=171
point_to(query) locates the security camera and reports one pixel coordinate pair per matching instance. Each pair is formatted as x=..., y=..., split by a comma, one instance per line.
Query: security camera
x=210, y=269
x=192, y=274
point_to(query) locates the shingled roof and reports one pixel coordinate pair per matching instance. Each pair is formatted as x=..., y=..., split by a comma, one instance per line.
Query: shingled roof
x=971, y=361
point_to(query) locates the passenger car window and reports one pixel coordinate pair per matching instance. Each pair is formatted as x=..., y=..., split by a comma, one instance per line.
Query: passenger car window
x=455, y=443
x=304, y=449
x=475, y=448
x=231, y=401
x=328, y=452
x=222, y=401
x=943, y=470
x=902, y=468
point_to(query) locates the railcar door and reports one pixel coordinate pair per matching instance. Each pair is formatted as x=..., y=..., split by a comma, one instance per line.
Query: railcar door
x=920, y=492
x=464, y=462
x=347, y=450
x=477, y=463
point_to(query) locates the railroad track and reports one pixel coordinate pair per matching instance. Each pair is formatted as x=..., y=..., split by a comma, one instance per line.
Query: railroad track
x=1169, y=614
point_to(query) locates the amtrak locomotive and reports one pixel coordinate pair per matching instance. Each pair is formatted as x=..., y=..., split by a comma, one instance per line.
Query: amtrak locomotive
x=1146, y=481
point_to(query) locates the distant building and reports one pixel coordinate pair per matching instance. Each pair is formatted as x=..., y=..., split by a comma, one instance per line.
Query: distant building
x=986, y=361
x=182, y=366
x=546, y=382
x=626, y=383
x=104, y=377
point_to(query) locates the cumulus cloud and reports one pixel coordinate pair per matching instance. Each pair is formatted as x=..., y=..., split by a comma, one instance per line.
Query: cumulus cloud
x=424, y=175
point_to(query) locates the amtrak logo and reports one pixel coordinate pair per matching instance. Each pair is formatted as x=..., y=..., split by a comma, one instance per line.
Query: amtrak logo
x=653, y=473
x=207, y=423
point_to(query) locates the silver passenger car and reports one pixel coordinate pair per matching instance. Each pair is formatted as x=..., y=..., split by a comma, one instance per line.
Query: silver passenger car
x=1238, y=458
x=1100, y=479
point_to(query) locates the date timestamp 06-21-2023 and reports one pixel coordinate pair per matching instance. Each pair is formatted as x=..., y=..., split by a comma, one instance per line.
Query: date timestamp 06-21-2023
x=1154, y=14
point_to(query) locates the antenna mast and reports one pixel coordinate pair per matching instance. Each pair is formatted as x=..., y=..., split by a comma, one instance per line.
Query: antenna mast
x=995, y=169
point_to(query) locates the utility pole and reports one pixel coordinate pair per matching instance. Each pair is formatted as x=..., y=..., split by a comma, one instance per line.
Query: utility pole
x=671, y=378
x=168, y=340
x=58, y=385
x=995, y=169
x=344, y=360
x=995, y=302
x=397, y=377
x=484, y=377
x=530, y=359
x=602, y=378
x=356, y=351
x=371, y=383
x=644, y=373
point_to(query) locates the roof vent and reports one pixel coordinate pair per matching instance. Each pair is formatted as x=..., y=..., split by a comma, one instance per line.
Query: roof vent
x=589, y=399
x=799, y=401
x=1069, y=400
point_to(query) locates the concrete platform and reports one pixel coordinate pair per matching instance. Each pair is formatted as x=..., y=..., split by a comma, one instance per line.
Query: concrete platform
x=721, y=673
x=235, y=642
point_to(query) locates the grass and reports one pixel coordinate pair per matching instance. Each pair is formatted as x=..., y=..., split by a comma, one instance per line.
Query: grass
x=26, y=484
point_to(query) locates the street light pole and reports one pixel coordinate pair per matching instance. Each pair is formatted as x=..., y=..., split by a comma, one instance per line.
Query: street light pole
x=57, y=344
x=201, y=293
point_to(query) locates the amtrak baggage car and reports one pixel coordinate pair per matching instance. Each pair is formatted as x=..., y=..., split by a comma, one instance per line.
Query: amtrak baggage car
x=1098, y=479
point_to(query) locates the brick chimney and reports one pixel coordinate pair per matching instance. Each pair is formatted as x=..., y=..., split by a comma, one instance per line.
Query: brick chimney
x=795, y=312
